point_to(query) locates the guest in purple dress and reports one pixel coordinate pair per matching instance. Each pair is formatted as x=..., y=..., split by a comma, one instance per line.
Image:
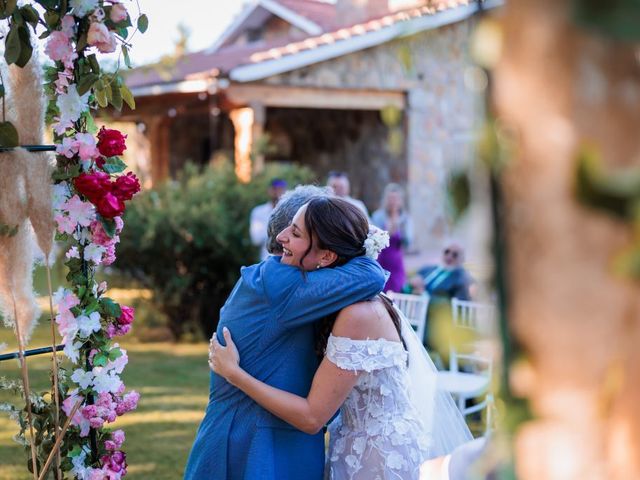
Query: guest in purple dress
x=393, y=217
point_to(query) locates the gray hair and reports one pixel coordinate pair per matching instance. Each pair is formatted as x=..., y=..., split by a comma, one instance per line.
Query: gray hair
x=286, y=208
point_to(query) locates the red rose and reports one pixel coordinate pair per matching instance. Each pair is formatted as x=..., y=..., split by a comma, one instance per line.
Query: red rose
x=93, y=185
x=100, y=161
x=111, y=142
x=109, y=206
x=126, y=186
x=127, y=315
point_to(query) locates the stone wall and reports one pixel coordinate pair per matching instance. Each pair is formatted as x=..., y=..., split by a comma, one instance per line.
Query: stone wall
x=442, y=112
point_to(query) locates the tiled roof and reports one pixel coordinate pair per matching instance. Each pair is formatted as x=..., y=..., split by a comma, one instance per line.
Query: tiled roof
x=353, y=31
x=321, y=13
x=220, y=62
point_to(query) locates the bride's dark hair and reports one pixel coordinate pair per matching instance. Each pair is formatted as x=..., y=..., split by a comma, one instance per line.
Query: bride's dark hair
x=339, y=226
x=336, y=225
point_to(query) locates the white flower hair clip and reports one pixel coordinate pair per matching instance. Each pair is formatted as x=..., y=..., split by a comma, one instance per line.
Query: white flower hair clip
x=377, y=240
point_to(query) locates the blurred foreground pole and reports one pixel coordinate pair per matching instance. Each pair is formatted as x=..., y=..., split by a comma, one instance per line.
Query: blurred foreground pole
x=557, y=88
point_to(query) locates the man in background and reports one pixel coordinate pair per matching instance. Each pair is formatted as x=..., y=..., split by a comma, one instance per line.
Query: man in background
x=339, y=183
x=260, y=216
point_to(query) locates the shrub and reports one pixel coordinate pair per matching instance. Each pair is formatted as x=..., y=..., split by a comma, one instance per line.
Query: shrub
x=187, y=239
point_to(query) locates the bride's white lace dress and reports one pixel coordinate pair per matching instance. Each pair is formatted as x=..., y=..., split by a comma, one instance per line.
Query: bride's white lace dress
x=379, y=434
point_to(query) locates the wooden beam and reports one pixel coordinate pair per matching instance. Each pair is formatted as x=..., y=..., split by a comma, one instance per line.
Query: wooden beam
x=298, y=97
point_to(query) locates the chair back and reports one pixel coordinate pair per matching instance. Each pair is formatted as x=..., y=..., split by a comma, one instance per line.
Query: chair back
x=414, y=307
x=477, y=317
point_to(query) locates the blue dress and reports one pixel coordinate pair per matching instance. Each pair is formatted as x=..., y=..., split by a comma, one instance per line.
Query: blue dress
x=270, y=314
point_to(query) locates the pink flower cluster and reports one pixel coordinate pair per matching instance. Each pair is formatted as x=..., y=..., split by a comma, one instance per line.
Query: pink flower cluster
x=100, y=237
x=114, y=465
x=106, y=409
x=123, y=325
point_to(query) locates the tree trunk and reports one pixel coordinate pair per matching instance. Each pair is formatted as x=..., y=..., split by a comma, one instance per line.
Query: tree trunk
x=558, y=87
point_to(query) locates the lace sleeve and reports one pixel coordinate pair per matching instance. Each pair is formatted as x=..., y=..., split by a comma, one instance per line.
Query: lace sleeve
x=364, y=355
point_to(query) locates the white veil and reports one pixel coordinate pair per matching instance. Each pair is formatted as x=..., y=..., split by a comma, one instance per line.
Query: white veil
x=444, y=423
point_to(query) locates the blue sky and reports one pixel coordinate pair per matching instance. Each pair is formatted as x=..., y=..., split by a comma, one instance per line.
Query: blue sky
x=206, y=19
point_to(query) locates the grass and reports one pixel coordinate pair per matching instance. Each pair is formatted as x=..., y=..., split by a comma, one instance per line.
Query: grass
x=173, y=382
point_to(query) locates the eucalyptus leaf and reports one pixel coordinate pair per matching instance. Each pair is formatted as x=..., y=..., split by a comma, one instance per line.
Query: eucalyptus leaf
x=125, y=54
x=8, y=135
x=143, y=23
x=101, y=97
x=115, y=353
x=116, y=96
x=51, y=18
x=127, y=96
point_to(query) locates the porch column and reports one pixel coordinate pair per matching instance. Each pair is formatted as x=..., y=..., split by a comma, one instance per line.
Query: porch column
x=426, y=173
x=158, y=134
x=248, y=123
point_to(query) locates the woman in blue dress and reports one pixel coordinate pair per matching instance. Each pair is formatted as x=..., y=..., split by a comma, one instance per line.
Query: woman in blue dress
x=272, y=311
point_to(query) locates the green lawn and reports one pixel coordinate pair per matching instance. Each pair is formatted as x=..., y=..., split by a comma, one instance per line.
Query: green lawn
x=173, y=383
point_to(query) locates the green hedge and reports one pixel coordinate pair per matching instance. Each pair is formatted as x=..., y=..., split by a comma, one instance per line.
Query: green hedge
x=187, y=239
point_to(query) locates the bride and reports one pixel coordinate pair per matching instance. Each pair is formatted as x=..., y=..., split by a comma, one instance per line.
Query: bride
x=375, y=371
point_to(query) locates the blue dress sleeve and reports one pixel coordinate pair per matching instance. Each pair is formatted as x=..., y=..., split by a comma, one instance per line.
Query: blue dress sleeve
x=299, y=299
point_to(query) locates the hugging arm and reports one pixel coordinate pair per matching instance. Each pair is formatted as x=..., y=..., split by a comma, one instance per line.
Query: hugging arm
x=331, y=386
x=328, y=290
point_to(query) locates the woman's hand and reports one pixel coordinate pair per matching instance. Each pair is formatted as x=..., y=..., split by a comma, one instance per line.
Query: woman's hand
x=225, y=361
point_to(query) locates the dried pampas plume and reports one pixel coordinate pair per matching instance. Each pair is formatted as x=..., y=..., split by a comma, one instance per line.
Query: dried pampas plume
x=25, y=200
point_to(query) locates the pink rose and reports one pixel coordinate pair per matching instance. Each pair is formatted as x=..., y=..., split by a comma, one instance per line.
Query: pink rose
x=118, y=13
x=126, y=186
x=100, y=37
x=111, y=143
x=110, y=206
x=128, y=314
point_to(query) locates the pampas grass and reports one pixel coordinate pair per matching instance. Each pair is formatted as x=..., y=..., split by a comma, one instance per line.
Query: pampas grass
x=25, y=196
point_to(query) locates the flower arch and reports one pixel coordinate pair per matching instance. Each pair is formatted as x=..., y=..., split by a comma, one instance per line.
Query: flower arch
x=67, y=431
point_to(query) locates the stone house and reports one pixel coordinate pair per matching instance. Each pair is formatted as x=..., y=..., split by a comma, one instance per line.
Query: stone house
x=379, y=89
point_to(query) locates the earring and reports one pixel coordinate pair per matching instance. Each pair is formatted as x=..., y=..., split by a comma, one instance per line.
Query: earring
x=318, y=267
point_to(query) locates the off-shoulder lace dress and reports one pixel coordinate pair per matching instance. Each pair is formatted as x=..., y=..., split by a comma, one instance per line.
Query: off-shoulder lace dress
x=378, y=435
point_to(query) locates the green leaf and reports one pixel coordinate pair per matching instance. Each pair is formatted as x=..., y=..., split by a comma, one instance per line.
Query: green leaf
x=51, y=18
x=12, y=45
x=110, y=308
x=7, y=7
x=127, y=96
x=25, y=46
x=115, y=353
x=1, y=90
x=116, y=96
x=62, y=174
x=100, y=360
x=109, y=226
x=101, y=97
x=82, y=42
x=8, y=135
x=93, y=62
x=143, y=23
x=86, y=82
x=114, y=165
x=125, y=53
x=30, y=15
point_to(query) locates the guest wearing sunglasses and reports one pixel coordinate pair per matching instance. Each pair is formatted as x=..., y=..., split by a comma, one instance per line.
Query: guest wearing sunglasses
x=444, y=282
